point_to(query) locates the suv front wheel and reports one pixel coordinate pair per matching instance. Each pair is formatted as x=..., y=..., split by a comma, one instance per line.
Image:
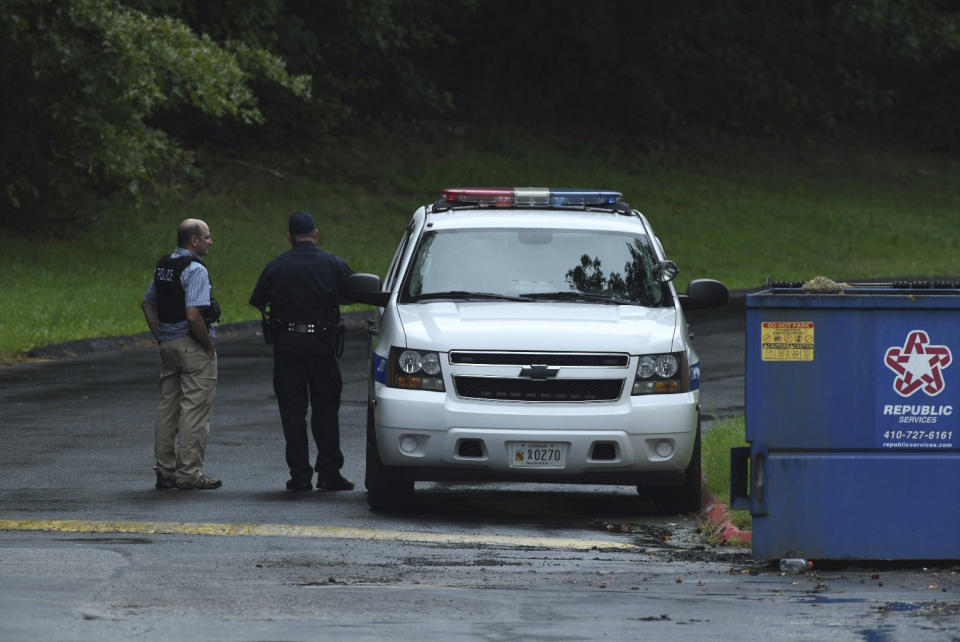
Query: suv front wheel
x=685, y=498
x=386, y=489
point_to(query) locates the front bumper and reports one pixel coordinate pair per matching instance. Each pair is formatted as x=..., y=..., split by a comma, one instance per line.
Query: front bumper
x=431, y=436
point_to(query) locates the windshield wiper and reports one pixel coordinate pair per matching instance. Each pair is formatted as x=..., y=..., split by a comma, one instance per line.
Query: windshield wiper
x=575, y=295
x=467, y=295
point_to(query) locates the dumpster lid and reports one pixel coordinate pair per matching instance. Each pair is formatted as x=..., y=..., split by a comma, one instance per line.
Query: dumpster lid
x=894, y=294
x=820, y=285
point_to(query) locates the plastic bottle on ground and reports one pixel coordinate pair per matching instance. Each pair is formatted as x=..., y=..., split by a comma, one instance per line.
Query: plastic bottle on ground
x=794, y=564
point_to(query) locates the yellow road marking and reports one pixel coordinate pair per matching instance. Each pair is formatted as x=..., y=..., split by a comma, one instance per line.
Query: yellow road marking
x=289, y=530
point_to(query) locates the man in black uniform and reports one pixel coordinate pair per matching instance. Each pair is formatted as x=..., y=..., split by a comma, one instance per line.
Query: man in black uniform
x=302, y=288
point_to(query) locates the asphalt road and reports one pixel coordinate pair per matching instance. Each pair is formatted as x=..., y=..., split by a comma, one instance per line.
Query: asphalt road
x=88, y=549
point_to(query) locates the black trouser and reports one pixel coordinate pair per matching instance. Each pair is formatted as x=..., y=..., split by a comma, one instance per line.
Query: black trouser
x=304, y=368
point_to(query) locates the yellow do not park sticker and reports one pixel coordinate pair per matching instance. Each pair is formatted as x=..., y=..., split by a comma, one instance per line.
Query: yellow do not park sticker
x=786, y=341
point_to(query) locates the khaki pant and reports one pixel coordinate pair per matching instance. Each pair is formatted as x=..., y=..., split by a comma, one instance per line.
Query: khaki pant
x=188, y=383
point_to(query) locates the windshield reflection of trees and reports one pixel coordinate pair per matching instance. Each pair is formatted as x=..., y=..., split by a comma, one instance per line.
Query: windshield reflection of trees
x=532, y=262
x=635, y=284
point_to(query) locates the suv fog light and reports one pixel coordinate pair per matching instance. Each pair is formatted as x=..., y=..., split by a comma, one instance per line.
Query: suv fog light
x=409, y=444
x=664, y=448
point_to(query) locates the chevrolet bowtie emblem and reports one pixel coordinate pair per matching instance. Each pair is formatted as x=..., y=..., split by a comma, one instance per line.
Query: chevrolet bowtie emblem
x=541, y=373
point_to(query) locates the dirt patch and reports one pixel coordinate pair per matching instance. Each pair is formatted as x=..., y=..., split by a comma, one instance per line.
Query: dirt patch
x=680, y=543
x=921, y=609
x=427, y=561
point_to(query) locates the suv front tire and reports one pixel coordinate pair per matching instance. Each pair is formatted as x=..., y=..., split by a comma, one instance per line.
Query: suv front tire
x=387, y=489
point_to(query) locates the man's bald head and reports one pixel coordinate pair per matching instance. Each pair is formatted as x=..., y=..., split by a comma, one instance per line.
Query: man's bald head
x=194, y=235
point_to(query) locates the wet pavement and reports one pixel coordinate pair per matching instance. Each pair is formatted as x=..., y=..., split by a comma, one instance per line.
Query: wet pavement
x=115, y=559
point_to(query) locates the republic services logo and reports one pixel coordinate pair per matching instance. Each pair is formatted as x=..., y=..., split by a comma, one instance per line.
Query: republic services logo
x=918, y=365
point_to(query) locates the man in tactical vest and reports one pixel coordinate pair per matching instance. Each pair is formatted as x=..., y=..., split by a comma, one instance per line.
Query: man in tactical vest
x=180, y=310
x=302, y=288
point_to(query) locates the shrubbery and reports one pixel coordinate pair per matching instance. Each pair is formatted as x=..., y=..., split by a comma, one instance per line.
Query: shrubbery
x=101, y=96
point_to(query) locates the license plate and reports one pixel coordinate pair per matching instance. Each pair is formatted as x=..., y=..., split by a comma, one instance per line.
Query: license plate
x=537, y=454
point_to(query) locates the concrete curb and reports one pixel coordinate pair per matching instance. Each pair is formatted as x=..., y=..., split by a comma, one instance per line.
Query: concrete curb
x=717, y=513
x=355, y=322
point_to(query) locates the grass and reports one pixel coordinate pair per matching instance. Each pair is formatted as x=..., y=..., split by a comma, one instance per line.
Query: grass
x=715, y=447
x=726, y=212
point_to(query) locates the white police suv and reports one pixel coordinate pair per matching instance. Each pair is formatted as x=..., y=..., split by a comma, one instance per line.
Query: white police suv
x=534, y=335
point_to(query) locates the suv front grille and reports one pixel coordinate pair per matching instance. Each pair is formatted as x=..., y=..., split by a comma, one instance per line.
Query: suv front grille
x=609, y=360
x=557, y=390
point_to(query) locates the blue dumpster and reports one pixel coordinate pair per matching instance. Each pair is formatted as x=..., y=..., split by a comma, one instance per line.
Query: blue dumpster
x=853, y=420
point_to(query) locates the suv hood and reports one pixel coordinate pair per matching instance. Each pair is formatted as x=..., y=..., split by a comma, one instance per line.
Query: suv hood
x=554, y=327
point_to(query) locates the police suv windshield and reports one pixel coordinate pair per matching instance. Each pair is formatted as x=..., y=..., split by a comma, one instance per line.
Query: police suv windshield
x=483, y=264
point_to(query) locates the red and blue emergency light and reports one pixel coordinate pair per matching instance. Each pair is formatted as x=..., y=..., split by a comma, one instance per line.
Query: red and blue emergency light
x=530, y=196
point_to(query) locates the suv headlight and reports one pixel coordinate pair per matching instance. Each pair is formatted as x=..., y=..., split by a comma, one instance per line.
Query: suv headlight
x=415, y=370
x=660, y=374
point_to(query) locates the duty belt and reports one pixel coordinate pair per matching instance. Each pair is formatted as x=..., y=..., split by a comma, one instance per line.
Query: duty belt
x=310, y=327
x=336, y=334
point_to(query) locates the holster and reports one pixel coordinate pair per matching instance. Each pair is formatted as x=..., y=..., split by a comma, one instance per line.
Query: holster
x=211, y=313
x=267, y=326
x=340, y=337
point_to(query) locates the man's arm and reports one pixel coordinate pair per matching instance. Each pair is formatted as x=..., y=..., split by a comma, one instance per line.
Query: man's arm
x=196, y=288
x=150, y=314
x=198, y=330
x=259, y=297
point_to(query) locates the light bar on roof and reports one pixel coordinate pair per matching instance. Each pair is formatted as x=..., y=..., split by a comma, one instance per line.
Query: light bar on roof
x=564, y=196
x=530, y=196
x=502, y=197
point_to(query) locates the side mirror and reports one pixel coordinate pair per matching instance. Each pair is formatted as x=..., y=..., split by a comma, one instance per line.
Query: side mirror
x=704, y=293
x=365, y=288
x=665, y=271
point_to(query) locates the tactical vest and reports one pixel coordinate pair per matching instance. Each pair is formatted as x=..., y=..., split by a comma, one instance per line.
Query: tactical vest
x=171, y=297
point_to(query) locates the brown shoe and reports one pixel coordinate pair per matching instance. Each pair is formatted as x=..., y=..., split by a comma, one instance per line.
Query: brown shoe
x=164, y=482
x=201, y=483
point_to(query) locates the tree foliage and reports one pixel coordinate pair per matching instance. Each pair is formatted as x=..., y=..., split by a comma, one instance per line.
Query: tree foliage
x=107, y=95
x=82, y=80
x=794, y=65
x=364, y=57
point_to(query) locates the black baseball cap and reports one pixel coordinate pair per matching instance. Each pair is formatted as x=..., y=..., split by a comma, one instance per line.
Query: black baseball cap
x=301, y=222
